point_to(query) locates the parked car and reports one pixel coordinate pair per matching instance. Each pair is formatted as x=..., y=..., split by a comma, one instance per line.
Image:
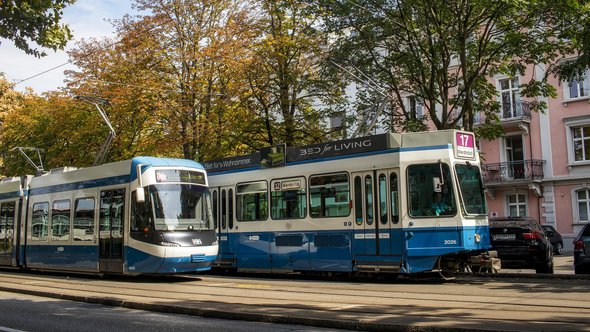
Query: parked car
x=582, y=251
x=554, y=238
x=521, y=243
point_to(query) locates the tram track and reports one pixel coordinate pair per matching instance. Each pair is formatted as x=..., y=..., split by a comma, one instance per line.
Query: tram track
x=500, y=301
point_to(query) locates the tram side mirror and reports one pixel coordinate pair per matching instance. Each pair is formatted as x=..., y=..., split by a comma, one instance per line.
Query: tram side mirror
x=437, y=184
x=140, y=195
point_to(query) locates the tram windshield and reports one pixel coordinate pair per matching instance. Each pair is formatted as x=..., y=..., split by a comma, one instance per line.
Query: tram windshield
x=471, y=187
x=174, y=207
x=431, y=190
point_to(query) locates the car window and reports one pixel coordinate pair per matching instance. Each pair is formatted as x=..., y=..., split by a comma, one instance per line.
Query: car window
x=586, y=231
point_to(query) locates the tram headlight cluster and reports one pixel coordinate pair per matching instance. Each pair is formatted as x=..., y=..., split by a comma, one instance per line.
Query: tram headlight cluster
x=477, y=238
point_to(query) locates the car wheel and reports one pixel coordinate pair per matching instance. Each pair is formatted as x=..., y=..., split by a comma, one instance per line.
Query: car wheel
x=546, y=267
x=559, y=248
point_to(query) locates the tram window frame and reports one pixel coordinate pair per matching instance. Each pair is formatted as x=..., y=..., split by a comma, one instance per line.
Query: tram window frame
x=78, y=214
x=326, y=191
x=382, y=190
x=286, y=210
x=215, y=210
x=246, y=191
x=61, y=207
x=421, y=185
x=43, y=234
x=358, y=200
x=394, y=196
x=230, y=207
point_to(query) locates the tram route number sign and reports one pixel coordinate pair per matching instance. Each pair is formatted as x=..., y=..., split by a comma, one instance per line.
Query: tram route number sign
x=464, y=145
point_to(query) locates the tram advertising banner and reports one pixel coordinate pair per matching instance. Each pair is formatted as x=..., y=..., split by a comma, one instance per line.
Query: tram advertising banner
x=338, y=148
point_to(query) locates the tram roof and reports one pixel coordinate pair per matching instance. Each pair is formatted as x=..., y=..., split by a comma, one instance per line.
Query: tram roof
x=271, y=156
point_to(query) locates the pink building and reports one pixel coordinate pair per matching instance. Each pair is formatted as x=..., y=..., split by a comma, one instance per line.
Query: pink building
x=541, y=165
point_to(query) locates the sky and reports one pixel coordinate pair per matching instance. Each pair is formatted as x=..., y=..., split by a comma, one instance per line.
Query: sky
x=87, y=19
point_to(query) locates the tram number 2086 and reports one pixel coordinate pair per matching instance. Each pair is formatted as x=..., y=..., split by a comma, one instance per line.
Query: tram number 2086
x=449, y=242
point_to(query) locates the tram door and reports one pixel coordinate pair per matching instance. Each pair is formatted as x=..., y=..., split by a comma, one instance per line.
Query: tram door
x=225, y=217
x=7, y=223
x=376, y=213
x=111, y=221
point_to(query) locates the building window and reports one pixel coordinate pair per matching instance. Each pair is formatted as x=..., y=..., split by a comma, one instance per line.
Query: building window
x=517, y=205
x=583, y=197
x=581, y=143
x=510, y=96
x=576, y=88
x=415, y=107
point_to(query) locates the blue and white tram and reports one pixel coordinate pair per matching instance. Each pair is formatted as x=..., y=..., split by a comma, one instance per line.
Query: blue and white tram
x=140, y=216
x=400, y=203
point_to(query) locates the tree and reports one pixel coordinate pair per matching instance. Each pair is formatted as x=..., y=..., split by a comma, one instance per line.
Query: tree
x=56, y=124
x=31, y=21
x=442, y=51
x=285, y=76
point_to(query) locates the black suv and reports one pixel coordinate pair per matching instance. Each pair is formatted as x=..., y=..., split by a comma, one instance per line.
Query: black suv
x=582, y=251
x=521, y=243
x=554, y=238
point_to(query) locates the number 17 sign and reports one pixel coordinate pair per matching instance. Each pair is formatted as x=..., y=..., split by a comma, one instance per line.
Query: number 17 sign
x=464, y=145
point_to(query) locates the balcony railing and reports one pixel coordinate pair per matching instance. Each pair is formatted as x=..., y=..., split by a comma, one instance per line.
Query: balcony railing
x=517, y=110
x=521, y=170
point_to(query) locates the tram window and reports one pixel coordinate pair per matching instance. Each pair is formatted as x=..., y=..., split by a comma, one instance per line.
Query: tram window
x=369, y=199
x=60, y=220
x=252, y=201
x=358, y=200
x=141, y=214
x=329, y=195
x=288, y=199
x=394, y=196
x=83, y=225
x=383, y=199
x=6, y=226
x=471, y=189
x=223, y=210
x=424, y=201
x=40, y=221
x=215, y=198
x=230, y=207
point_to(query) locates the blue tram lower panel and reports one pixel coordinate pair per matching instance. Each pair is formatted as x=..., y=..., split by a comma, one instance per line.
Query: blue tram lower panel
x=85, y=258
x=337, y=251
x=425, y=245
x=168, y=260
x=63, y=257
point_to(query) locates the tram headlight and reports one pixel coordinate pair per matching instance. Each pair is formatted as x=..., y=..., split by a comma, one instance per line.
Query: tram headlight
x=169, y=244
x=477, y=238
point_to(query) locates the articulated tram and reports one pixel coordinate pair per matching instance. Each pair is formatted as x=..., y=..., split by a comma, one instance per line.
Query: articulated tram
x=140, y=216
x=399, y=203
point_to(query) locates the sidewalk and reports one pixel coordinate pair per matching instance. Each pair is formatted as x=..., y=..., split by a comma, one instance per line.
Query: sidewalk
x=562, y=264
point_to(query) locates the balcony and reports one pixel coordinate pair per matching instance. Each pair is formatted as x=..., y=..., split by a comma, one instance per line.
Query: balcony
x=521, y=171
x=510, y=114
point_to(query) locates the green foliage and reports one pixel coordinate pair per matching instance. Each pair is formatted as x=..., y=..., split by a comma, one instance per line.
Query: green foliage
x=27, y=22
x=440, y=50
